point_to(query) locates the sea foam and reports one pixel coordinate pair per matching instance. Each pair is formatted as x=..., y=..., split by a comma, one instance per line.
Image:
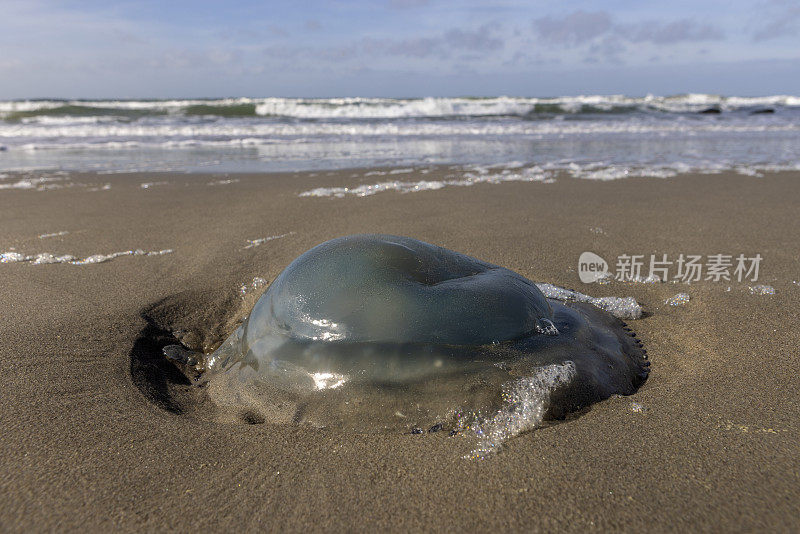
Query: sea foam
x=621, y=307
x=481, y=176
x=252, y=243
x=525, y=402
x=44, y=258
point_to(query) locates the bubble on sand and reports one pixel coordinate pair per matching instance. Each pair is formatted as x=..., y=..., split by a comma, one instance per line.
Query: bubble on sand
x=638, y=407
x=681, y=299
x=253, y=286
x=649, y=279
x=761, y=289
x=150, y=185
x=12, y=257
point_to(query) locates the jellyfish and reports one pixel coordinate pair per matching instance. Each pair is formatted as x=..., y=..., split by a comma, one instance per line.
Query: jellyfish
x=381, y=332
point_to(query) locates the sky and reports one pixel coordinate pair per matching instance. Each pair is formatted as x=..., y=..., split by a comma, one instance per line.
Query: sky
x=396, y=48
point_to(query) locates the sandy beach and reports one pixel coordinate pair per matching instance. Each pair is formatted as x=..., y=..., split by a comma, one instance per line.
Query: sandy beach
x=92, y=438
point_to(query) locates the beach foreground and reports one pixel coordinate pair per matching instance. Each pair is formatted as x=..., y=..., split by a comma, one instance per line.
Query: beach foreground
x=88, y=441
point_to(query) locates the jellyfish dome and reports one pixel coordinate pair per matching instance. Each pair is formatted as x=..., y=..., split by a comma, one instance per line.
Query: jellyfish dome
x=386, y=332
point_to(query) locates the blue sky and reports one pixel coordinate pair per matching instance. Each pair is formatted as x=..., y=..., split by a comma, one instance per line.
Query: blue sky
x=116, y=49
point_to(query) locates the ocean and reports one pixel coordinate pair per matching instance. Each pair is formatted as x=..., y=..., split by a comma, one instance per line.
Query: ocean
x=595, y=137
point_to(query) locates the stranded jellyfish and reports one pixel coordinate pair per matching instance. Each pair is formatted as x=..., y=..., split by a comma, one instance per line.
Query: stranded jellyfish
x=373, y=332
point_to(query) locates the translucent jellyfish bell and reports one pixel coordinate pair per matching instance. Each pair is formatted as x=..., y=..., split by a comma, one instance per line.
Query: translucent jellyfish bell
x=379, y=331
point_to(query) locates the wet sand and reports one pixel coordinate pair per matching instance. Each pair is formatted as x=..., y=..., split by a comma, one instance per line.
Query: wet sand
x=91, y=441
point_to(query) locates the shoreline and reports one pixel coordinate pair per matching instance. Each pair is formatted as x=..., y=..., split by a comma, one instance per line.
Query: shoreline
x=353, y=178
x=710, y=441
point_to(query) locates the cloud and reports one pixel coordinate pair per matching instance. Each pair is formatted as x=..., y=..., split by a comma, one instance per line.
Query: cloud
x=608, y=48
x=601, y=38
x=182, y=59
x=481, y=40
x=677, y=31
x=418, y=47
x=784, y=21
x=575, y=28
x=582, y=27
x=405, y=4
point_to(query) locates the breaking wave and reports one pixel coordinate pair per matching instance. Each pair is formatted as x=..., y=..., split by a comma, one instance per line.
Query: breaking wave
x=390, y=108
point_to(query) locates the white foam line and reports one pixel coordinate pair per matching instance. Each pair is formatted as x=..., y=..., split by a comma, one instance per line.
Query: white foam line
x=124, y=136
x=48, y=258
x=48, y=182
x=56, y=234
x=621, y=307
x=529, y=174
x=224, y=182
x=38, y=184
x=252, y=243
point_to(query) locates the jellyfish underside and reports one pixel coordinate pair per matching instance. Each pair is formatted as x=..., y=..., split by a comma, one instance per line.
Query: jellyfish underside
x=374, y=332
